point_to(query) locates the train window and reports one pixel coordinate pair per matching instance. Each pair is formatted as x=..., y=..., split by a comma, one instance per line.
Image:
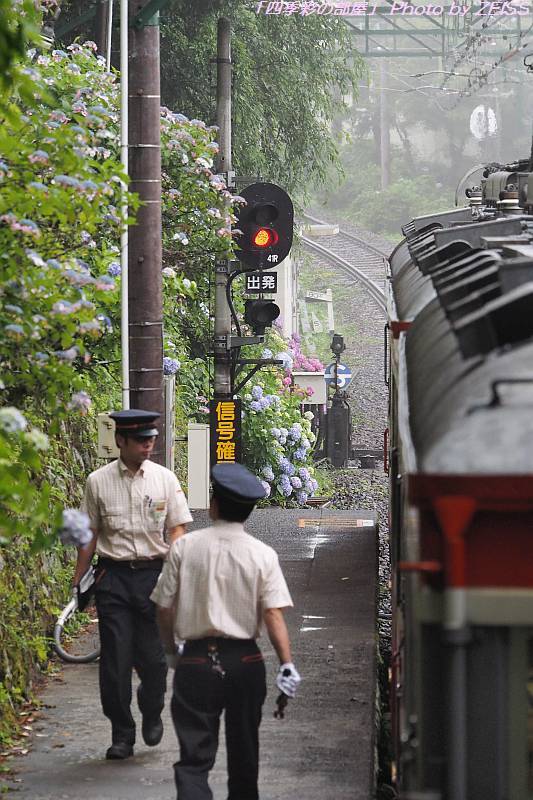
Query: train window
x=530, y=717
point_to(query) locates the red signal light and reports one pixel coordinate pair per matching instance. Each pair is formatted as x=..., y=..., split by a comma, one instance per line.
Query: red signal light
x=265, y=237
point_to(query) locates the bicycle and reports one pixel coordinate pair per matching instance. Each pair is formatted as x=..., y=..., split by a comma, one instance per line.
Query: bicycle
x=76, y=638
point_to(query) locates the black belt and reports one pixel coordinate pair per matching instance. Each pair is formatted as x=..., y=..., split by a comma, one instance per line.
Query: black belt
x=140, y=563
x=219, y=641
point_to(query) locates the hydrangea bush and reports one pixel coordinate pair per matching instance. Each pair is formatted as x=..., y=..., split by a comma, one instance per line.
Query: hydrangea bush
x=59, y=229
x=278, y=441
x=59, y=235
x=59, y=224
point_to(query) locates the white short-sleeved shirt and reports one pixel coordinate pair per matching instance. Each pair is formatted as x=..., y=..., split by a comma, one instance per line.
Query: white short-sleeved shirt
x=130, y=513
x=220, y=580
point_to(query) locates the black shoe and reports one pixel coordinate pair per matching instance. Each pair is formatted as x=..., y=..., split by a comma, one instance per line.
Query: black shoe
x=119, y=751
x=152, y=731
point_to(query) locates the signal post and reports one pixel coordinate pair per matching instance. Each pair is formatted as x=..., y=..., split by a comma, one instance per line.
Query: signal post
x=266, y=222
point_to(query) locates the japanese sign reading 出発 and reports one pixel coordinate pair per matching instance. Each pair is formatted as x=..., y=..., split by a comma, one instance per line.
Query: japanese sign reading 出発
x=225, y=418
x=257, y=282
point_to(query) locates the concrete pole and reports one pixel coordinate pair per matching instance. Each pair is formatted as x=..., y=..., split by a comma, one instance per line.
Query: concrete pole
x=145, y=245
x=384, y=130
x=223, y=387
x=124, y=236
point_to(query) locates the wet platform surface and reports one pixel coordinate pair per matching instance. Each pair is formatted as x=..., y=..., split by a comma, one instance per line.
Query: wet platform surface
x=322, y=750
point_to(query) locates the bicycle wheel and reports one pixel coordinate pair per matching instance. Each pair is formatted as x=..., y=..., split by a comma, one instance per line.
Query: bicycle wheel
x=76, y=634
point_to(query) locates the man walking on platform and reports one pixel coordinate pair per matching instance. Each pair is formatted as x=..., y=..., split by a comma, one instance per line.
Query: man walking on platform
x=216, y=588
x=137, y=510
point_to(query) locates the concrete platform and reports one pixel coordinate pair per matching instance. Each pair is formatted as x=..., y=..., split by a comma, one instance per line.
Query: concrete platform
x=322, y=750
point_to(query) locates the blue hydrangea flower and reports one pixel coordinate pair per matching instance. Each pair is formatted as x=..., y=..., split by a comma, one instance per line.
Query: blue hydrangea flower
x=285, y=466
x=268, y=473
x=296, y=483
x=266, y=352
x=170, y=365
x=304, y=473
x=295, y=432
x=255, y=405
x=301, y=497
x=300, y=454
x=14, y=331
x=284, y=486
x=114, y=269
x=276, y=433
x=286, y=359
x=257, y=392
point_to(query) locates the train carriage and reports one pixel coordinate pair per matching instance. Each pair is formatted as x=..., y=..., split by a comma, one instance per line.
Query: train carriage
x=460, y=325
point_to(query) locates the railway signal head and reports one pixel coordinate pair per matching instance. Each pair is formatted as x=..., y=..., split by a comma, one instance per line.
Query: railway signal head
x=337, y=344
x=266, y=225
x=260, y=314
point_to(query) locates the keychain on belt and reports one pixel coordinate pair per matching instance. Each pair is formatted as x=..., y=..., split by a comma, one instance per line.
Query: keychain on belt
x=214, y=657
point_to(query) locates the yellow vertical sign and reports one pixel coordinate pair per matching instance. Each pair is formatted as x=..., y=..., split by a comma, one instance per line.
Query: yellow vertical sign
x=225, y=417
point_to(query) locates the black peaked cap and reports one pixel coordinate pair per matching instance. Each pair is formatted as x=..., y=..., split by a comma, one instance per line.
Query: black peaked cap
x=235, y=482
x=135, y=421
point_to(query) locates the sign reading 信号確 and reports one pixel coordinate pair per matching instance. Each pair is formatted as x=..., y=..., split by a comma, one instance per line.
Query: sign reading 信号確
x=225, y=420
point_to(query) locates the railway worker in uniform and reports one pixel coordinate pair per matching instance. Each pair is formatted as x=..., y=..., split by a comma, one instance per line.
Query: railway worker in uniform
x=216, y=588
x=137, y=509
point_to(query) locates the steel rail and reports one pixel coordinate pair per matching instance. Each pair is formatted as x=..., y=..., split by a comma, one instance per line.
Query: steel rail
x=377, y=294
x=349, y=235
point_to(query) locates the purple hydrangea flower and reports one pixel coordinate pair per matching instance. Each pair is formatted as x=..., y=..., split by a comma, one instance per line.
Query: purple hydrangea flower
x=80, y=401
x=257, y=392
x=296, y=483
x=266, y=487
x=301, y=497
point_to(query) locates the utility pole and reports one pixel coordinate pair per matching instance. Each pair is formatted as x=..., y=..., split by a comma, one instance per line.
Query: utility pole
x=223, y=389
x=145, y=245
x=101, y=26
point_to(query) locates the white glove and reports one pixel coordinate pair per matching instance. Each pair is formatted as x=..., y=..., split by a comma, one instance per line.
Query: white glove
x=287, y=679
x=172, y=660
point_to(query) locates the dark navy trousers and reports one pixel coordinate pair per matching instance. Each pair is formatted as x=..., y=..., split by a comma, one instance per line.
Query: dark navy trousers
x=201, y=694
x=129, y=640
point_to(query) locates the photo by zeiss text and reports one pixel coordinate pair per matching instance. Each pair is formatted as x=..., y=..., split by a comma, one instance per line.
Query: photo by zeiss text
x=504, y=8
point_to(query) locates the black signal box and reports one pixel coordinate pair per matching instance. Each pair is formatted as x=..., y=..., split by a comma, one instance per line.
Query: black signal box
x=266, y=222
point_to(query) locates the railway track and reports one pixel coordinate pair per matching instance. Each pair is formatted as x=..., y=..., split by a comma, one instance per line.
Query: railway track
x=356, y=258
